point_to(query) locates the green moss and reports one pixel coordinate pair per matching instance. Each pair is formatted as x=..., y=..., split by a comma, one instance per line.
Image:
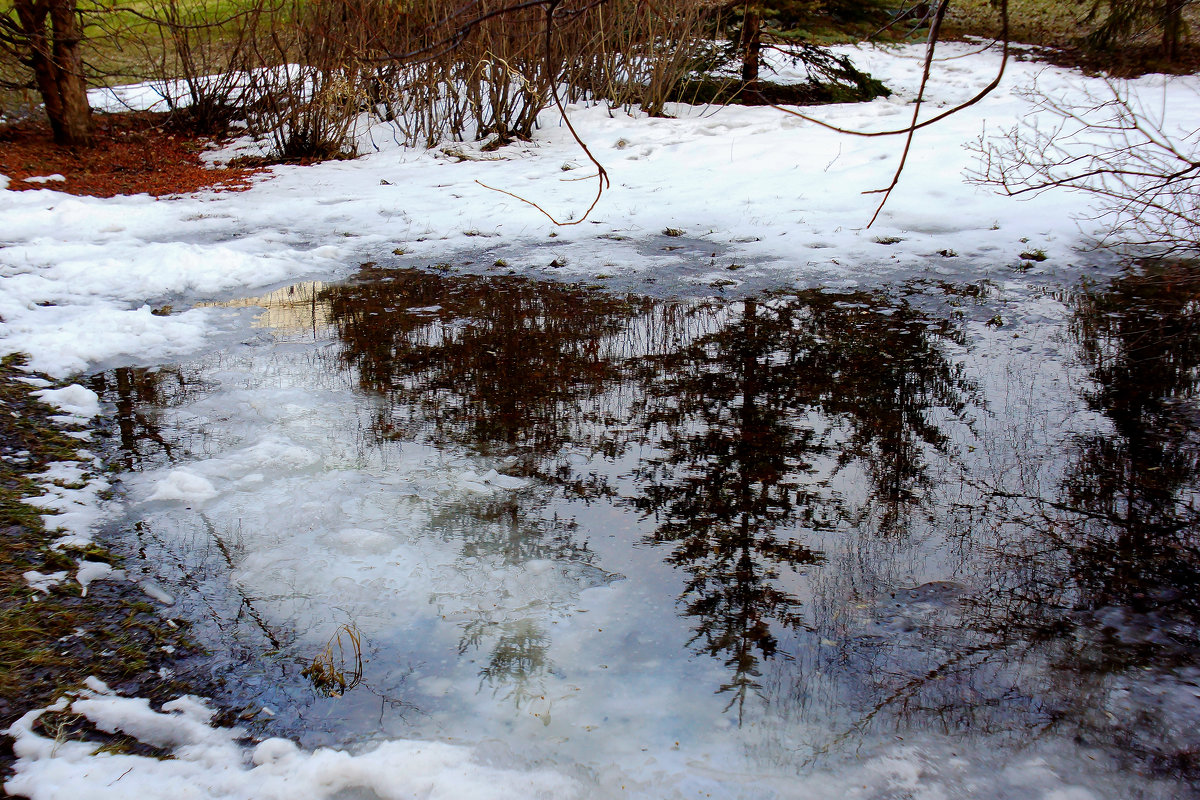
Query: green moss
x=710, y=91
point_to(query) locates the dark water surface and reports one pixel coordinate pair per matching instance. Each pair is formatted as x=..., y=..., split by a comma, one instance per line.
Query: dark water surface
x=926, y=540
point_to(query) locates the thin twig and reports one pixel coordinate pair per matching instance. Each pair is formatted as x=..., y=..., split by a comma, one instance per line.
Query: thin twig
x=602, y=180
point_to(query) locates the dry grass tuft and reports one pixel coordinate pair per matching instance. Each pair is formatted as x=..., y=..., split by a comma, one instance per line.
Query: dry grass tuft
x=338, y=668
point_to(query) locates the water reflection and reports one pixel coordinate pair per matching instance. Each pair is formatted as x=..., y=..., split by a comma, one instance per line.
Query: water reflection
x=1118, y=533
x=744, y=415
x=138, y=395
x=510, y=532
x=1090, y=575
x=1135, y=485
x=869, y=529
x=752, y=422
x=502, y=365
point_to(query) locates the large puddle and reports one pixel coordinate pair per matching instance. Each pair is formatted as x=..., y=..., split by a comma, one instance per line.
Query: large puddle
x=930, y=540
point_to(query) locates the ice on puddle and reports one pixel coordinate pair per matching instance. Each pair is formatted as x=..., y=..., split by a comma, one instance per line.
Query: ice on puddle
x=489, y=482
x=362, y=541
x=156, y=592
x=276, y=453
x=184, y=486
x=1070, y=793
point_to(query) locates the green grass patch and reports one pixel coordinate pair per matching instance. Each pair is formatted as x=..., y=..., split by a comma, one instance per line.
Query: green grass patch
x=1051, y=23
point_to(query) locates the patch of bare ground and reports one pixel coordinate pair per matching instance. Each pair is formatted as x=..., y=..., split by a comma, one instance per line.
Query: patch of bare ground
x=52, y=640
x=132, y=153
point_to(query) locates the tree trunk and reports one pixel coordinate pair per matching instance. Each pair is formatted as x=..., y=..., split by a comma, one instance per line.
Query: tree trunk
x=751, y=44
x=75, y=124
x=53, y=35
x=1172, y=28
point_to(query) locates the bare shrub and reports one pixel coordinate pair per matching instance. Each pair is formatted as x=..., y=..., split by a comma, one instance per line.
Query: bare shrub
x=201, y=55
x=1123, y=151
x=310, y=81
x=302, y=72
x=490, y=74
x=640, y=52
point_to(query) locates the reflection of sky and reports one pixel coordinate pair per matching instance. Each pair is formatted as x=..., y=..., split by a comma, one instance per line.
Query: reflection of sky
x=500, y=611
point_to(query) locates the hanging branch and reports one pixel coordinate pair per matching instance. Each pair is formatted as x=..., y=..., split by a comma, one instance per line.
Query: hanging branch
x=982, y=93
x=935, y=28
x=910, y=130
x=602, y=180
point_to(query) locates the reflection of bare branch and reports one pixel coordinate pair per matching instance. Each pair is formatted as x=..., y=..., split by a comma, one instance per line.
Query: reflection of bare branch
x=247, y=600
x=909, y=688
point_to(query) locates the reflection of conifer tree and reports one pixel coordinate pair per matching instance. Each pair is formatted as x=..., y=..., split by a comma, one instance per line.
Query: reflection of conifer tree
x=725, y=411
x=1136, y=483
x=518, y=655
x=890, y=379
x=749, y=415
x=502, y=528
x=746, y=407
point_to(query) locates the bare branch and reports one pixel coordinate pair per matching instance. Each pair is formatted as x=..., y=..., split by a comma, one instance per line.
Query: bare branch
x=1144, y=176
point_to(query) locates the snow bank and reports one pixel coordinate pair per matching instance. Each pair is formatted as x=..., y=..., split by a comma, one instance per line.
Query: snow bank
x=210, y=762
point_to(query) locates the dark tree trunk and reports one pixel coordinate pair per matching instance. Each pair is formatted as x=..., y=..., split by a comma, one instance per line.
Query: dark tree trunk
x=76, y=121
x=53, y=36
x=751, y=44
x=1172, y=28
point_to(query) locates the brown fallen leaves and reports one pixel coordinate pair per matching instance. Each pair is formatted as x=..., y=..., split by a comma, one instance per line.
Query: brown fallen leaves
x=133, y=153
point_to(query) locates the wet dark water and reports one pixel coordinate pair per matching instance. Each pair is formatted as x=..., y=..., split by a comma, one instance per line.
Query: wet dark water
x=811, y=523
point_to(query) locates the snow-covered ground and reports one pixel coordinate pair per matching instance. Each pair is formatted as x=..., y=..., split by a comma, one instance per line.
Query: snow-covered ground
x=80, y=278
